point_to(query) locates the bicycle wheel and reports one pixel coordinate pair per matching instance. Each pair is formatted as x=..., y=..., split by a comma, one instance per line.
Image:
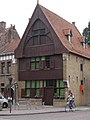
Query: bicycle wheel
x=67, y=109
x=74, y=107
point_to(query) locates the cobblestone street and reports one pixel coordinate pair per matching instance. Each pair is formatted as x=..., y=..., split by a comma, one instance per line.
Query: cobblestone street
x=78, y=115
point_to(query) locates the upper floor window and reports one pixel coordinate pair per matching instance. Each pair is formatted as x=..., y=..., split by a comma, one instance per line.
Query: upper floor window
x=47, y=62
x=81, y=67
x=35, y=63
x=40, y=62
x=68, y=34
x=38, y=32
x=39, y=37
x=3, y=68
x=9, y=67
x=69, y=38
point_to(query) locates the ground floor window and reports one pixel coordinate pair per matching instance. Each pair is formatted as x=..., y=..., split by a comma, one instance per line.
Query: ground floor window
x=59, y=89
x=35, y=88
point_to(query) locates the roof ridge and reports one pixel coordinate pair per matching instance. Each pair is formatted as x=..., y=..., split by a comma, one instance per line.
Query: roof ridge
x=54, y=14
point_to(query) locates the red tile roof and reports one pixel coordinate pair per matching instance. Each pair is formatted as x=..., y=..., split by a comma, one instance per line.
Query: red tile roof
x=9, y=41
x=9, y=47
x=62, y=27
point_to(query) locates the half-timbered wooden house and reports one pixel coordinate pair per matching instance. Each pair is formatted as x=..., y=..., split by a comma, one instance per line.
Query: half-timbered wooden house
x=53, y=58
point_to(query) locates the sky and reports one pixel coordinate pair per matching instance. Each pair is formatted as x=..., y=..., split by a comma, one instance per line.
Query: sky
x=18, y=12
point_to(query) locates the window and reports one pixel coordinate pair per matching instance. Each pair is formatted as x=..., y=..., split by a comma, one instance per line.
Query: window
x=49, y=83
x=81, y=82
x=28, y=88
x=81, y=67
x=38, y=32
x=59, y=89
x=69, y=38
x=33, y=84
x=44, y=83
x=39, y=37
x=35, y=63
x=47, y=62
x=35, y=32
x=68, y=34
x=2, y=84
x=33, y=88
x=37, y=88
x=3, y=68
x=9, y=67
x=38, y=63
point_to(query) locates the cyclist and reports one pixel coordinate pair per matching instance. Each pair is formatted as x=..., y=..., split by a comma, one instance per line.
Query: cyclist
x=71, y=100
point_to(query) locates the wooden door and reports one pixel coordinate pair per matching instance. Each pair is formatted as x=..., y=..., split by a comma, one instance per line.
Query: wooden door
x=48, y=95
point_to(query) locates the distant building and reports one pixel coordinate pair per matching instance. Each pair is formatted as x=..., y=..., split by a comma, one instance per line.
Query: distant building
x=53, y=59
x=9, y=40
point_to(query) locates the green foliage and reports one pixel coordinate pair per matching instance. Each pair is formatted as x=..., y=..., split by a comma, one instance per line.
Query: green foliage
x=86, y=33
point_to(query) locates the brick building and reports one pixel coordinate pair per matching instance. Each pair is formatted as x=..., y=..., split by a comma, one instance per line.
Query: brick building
x=52, y=59
x=9, y=40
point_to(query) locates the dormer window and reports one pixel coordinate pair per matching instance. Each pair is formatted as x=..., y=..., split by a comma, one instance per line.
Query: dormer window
x=68, y=34
x=82, y=41
x=69, y=37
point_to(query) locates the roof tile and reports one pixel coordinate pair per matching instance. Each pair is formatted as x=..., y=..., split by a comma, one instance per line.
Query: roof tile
x=61, y=28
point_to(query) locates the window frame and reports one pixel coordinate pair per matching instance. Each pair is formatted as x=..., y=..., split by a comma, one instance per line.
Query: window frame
x=58, y=89
x=2, y=67
x=9, y=67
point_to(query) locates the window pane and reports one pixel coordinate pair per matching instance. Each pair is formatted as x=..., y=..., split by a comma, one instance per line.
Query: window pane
x=32, y=59
x=28, y=84
x=44, y=83
x=3, y=67
x=37, y=59
x=35, y=32
x=32, y=66
x=37, y=65
x=27, y=92
x=47, y=62
x=42, y=31
x=42, y=58
x=56, y=83
x=61, y=83
x=62, y=92
x=37, y=92
x=33, y=84
x=56, y=92
x=8, y=67
x=37, y=84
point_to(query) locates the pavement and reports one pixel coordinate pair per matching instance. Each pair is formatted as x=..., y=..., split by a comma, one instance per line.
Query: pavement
x=25, y=110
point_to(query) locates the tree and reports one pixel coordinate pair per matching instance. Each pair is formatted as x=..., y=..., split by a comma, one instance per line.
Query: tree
x=86, y=33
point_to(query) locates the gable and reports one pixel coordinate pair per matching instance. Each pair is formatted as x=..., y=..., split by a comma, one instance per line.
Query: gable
x=38, y=34
x=39, y=38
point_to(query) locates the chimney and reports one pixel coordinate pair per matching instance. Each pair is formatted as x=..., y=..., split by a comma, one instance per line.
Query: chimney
x=2, y=26
x=73, y=23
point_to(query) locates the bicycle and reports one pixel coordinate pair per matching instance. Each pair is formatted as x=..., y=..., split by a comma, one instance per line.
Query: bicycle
x=70, y=106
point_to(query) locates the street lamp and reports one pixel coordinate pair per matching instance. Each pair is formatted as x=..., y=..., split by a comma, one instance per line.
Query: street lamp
x=10, y=82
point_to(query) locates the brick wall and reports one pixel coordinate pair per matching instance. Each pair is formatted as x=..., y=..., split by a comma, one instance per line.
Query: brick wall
x=74, y=75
